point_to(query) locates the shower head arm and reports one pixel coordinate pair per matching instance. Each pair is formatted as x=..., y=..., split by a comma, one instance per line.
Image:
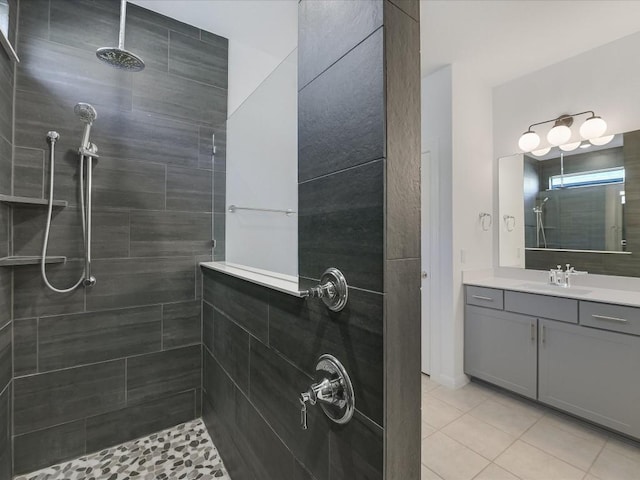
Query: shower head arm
x=123, y=17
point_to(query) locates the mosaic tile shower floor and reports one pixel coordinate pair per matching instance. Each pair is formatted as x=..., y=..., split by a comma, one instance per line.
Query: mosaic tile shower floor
x=182, y=452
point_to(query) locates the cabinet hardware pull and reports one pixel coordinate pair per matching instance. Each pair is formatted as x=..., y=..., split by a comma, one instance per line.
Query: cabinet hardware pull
x=542, y=337
x=613, y=319
x=480, y=297
x=533, y=332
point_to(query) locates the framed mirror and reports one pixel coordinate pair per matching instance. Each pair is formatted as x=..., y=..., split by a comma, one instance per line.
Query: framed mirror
x=580, y=207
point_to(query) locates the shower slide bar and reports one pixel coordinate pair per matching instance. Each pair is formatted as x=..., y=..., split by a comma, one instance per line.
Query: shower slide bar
x=235, y=208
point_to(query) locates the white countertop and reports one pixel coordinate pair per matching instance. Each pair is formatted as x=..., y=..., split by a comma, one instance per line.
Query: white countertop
x=594, y=289
x=276, y=281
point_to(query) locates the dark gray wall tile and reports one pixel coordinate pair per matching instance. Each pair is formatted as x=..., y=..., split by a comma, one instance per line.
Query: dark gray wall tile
x=28, y=171
x=189, y=189
x=302, y=330
x=181, y=324
x=207, y=326
x=219, y=235
x=180, y=98
x=129, y=184
x=25, y=346
x=49, y=446
x=402, y=54
x=155, y=375
x=357, y=450
x=5, y=435
x=5, y=166
x=199, y=61
x=5, y=295
x=163, y=234
x=4, y=236
x=133, y=422
x=244, y=302
x=231, y=349
x=147, y=38
x=146, y=16
x=281, y=408
x=148, y=281
x=6, y=97
x=52, y=398
x=34, y=19
x=341, y=224
x=110, y=234
x=341, y=113
x=6, y=355
x=329, y=29
x=31, y=298
x=71, y=340
x=300, y=473
x=65, y=22
x=219, y=192
x=410, y=7
x=72, y=75
x=65, y=236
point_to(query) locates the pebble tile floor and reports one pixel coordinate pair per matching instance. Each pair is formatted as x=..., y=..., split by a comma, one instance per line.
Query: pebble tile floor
x=182, y=452
x=479, y=433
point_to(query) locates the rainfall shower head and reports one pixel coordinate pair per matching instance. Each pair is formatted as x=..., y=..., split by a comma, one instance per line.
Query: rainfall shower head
x=118, y=57
x=86, y=112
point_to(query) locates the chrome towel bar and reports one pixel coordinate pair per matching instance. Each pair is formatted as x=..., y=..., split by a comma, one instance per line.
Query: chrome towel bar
x=234, y=208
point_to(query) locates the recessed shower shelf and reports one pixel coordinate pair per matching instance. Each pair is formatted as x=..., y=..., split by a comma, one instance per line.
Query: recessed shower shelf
x=27, y=260
x=30, y=201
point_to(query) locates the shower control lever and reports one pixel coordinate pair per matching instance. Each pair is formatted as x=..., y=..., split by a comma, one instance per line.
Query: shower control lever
x=333, y=391
x=333, y=290
x=92, y=151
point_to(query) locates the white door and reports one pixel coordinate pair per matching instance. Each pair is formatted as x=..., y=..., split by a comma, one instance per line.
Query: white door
x=426, y=231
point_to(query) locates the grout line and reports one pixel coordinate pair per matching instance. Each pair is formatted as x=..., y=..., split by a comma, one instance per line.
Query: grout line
x=126, y=368
x=343, y=170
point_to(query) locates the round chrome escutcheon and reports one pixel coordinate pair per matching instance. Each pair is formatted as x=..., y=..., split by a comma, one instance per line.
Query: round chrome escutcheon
x=338, y=300
x=344, y=405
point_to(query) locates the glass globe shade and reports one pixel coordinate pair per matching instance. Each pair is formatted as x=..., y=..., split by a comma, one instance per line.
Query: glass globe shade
x=559, y=135
x=569, y=147
x=593, y=127
x=541, y=152
x=528, y=141
x=602, y=140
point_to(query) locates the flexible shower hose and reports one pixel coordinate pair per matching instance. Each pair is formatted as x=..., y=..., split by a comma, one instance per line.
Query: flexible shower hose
x=45, y=244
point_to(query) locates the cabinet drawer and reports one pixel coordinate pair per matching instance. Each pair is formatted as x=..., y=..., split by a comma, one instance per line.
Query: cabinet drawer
x=605, y=316
x=542, y=306
x=485, y=297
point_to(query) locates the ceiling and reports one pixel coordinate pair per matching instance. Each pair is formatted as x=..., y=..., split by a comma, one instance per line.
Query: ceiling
x=498, y=40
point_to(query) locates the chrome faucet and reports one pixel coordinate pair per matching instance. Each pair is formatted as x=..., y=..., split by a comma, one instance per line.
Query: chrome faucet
x=562, y=278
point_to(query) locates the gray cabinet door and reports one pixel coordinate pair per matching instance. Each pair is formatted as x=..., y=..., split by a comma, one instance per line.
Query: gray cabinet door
x=591, y=373
x=500, y=348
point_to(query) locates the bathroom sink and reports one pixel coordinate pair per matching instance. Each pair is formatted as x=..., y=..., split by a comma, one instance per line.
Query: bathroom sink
x=553, y=288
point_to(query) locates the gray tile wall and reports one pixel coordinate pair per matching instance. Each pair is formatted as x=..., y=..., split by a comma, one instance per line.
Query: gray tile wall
x=359, y=211
x=6, y=342
x=98, y=367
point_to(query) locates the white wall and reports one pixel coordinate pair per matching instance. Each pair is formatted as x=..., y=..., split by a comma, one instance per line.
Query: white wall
x=605, y=79
x=511, y=195
x=466, y=189
x=262, y=172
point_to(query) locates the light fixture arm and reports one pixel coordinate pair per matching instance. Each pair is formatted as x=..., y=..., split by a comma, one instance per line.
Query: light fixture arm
x=593, y=114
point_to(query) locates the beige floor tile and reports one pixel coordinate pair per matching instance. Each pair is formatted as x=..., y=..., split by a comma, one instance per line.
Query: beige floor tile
x=494, y=472
x=531, y=463
x=512, y=419
x=464, y=398
x=589, y=477
x=614, y=463
x=426, y=474
x=575, y=426
x=579, y=451
x=479, y=436
x=427, y=429
x=450, y=459
x=625, y=447
x=515, y=401
x=428, y=384
x=438, y=413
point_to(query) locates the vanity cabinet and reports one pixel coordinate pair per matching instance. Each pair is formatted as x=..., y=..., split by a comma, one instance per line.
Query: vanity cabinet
x=500, y=348
x=581, y=362
x=591, y=373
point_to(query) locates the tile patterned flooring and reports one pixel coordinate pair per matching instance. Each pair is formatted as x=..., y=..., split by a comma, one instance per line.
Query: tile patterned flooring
x=182, y=452
x=480, y=433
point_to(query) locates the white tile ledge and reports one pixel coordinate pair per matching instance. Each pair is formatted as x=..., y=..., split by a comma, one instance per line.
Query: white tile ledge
x=276, y=281
x=629, y=296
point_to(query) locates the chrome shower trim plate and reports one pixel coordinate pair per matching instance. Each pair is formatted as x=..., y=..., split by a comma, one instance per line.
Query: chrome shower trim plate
x=342, y=409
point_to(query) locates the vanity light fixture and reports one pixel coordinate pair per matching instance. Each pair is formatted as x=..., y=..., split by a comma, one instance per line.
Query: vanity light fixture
x=602, y=140
x=569, y=147
x=541, y=152
x=592, y=128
